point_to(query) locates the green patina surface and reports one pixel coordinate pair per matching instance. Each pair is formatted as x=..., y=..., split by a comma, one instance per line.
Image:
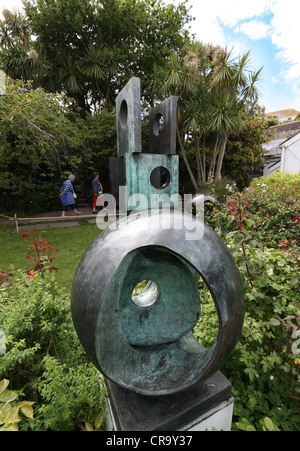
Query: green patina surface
x=177, y=309
x=139, y=168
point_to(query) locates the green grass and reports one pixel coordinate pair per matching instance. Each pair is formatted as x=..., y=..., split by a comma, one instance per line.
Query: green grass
x=71, y=243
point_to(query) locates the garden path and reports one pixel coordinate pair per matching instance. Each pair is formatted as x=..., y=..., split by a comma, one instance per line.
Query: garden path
x=47, y=220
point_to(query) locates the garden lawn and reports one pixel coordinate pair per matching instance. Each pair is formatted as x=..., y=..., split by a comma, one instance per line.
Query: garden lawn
x=71, y=243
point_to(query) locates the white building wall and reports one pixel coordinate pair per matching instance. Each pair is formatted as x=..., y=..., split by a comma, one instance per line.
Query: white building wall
x=291, y=162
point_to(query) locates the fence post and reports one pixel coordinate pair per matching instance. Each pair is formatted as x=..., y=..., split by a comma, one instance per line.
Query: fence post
x=17, y=226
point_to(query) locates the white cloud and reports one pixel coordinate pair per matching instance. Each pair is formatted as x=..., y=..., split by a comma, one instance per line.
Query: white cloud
x=11, y=5
x=285, y=36
x=211, y=16
x=255, y=29
x=249, y=18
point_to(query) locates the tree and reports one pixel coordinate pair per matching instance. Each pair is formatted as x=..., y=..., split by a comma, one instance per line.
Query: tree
x=18, y=58
x=37, y=138
x=93, y=48
x=212, y=91
x=245, y=152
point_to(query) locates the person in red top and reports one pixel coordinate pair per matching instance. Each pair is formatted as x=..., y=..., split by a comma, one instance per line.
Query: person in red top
x=97, y=190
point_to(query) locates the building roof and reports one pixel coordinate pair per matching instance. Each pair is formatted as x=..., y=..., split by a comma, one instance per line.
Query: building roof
x=273, y=149
x=285, y=131
x=283, y=113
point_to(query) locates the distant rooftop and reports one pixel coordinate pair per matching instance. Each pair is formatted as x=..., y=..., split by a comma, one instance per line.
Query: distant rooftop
x=283, y=114
x=285, y=130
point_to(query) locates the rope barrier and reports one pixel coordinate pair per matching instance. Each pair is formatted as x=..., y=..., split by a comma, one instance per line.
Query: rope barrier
x=50, y=218
x=8, y=217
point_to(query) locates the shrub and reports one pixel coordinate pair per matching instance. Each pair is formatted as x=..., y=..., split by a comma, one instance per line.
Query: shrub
x=44, y=359
x=9, y=410
x=261, y=228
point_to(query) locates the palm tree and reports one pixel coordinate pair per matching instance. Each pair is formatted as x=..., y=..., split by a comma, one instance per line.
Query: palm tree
x=18, y=58
x=226, y=119
x=100, y=65
x=212, y=90
x=233, y=89
x=176, y=79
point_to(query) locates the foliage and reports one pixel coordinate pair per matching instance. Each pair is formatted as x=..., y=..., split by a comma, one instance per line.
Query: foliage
x=267, y=425
x=18, y=58
x=71, y=242
x=272, y=120
x=98, y=142
x=37, y=138
x=245, y=152
x=9, y=413
x=268, y=210
x=93, y=48
x=261, y=228
x=43, y=359
x=41, y=254
x=214, y=92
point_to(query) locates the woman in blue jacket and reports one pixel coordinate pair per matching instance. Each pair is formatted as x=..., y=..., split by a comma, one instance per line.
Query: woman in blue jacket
x=67, y=196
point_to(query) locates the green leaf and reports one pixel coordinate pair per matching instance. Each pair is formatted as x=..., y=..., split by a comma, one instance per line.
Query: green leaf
x=9, y=428
x=99, y=419
x=270, y=425
x=8, y=396
x=274, y=322
x=88, y=427
x=231, y=234
x=26, y=408
x=3, y=385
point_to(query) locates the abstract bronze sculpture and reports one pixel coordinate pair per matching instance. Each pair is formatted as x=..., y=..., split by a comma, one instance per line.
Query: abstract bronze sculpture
x=151, y=350
x=157, y=373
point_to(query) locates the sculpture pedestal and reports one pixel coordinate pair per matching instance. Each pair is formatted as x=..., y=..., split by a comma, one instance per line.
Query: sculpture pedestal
x=207, y=406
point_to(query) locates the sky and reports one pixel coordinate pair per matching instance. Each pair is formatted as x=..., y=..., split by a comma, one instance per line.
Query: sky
x=268, y=28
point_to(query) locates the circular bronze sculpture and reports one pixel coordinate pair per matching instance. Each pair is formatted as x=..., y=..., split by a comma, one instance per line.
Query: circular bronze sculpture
x=146, y=344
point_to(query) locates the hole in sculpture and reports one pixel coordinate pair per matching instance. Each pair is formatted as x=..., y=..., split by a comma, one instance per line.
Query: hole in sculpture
x=207, y=327
x=123, y=114
x=158, y=124
x=160, y=177
x=145, y=293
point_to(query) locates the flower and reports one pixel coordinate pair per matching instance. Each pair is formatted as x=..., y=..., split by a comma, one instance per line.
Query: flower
x=280, y=264
x=254, y=289
x=295, y=218
x=270, y=272
x=284, y=243
x=25, y=235
x=274, y=298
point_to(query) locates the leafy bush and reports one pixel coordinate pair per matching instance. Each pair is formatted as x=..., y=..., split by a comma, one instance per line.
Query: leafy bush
x=261, y=228
x=44, y=359
x=9, y=411
x=269, y=208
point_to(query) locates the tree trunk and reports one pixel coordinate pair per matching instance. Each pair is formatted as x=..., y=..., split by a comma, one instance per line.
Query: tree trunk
x=213, y=160
x=200, y=169
x=203, y=161
x=186, y=160
x=221, y=158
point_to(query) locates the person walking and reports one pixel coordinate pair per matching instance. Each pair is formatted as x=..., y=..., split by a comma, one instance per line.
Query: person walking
x=67, y=196
x=97, y=191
